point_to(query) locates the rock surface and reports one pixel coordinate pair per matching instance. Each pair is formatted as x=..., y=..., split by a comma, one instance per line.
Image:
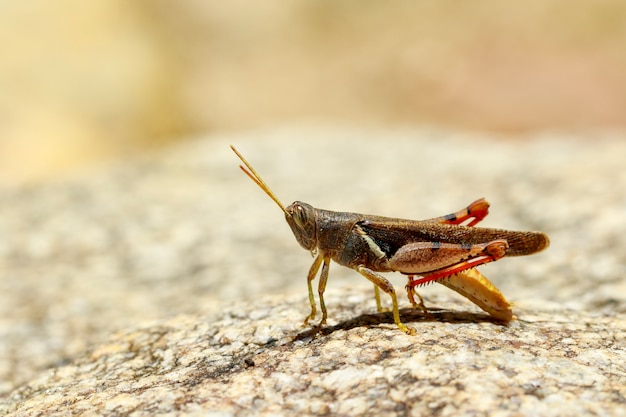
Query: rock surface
x=170, y=285
x=255, y=359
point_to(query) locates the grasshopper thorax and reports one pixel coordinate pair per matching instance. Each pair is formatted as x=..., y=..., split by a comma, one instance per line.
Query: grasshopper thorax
x=301, y=217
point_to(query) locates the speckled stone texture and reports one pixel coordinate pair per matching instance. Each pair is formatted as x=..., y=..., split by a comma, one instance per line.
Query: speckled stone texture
x=170, y=285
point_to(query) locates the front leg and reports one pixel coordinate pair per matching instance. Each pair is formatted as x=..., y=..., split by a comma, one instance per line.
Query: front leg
x=321, y=288
x=309, y=279
x=323, y=261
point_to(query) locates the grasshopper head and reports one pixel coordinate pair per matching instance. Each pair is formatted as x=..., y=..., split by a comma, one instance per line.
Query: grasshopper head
x=301, y=218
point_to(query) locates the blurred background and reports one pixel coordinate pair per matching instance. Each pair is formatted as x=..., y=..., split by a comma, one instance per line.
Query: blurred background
x=82, y=82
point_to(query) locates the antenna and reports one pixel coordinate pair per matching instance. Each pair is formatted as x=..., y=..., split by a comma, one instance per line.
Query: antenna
x=254, y=176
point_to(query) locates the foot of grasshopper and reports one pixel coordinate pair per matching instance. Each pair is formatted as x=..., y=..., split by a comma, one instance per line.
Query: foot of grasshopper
x=439, y=248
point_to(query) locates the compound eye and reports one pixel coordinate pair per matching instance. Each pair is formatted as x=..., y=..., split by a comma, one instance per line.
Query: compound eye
x=299, y=216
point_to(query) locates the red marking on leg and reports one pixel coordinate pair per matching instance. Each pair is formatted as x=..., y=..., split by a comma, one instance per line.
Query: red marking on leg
x=454, y=269
x=477, y=211
x=493, y=251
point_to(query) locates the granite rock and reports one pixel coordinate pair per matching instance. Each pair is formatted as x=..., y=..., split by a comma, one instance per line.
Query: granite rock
x=255, y=359
x=169, y=284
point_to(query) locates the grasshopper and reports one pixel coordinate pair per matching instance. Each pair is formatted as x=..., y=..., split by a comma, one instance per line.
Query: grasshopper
x=438, y=250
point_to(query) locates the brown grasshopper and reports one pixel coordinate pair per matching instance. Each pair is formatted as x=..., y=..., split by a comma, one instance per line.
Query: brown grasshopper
x=439, y=250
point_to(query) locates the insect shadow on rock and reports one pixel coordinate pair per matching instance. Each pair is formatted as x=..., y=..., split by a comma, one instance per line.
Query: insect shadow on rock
x=368, y=320
x=437, y=250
